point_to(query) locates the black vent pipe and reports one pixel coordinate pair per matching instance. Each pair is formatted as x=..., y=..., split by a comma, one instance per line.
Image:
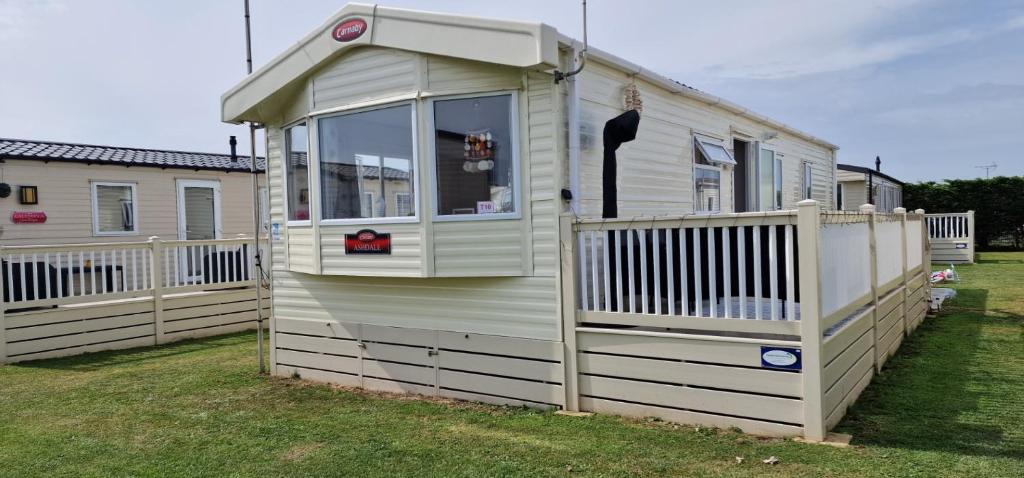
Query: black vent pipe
x=618, y=130
x=234, y=154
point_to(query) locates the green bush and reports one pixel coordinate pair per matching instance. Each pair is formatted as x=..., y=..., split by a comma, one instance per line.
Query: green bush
x=998, y=205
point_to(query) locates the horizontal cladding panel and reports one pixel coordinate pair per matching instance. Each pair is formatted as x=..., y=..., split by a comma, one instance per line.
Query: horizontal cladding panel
x=300, y=249
x=322, y=328
x=756, y=427
x=697, y=350
x=836, y=415
x=838, y=342
x=510, y=346
x=842, y=364
x=286, y=370
x=453, y=74
x=211, y=331
x=78, y=326
x=501, y=386
x=213, y=309
x=334, y=363
x=69, y=341
x=505, y=366
x=74, y=313
x=771, y=382
x=209, y=298
x=116, y=344
x=406, y=258
x=513, y=306
x=496, y=400
x=364, y=74
x=841, y=392
x=399, y=372
x=888, y=303
x=468, y=248
x=323, y=345
x=398, y=353
x=697, y=399
x=210, y=321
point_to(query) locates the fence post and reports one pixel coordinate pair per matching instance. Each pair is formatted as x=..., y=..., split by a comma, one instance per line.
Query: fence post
x=970, y=234
x=926, y=260
x=809, y=238
x=3, y=311
x=157, y=282
x=902, y=212
x=869, y=209
x=567, y=275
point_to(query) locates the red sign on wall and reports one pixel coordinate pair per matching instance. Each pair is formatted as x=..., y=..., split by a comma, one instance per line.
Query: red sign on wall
x=368, y=241
x=28, y=217
x=349, y=30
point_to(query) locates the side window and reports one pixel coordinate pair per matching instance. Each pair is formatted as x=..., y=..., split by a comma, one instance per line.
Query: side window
x=808, y=181
x=114, y=209
x=296, y=147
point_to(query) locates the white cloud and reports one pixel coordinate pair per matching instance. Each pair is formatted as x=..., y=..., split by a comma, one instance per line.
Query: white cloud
x=19, y=17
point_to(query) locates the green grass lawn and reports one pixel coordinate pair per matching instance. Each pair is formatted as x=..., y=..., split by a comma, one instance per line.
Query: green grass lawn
x=951, y=403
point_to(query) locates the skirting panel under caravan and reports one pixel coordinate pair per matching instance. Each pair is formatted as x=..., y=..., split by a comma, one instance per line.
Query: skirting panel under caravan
x=485, y=368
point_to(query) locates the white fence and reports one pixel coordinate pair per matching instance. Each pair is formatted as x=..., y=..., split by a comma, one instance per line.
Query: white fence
x=700, y=318
x=952, y=237
x=66, y=299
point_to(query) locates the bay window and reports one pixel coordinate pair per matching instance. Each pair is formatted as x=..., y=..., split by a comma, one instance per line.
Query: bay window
x=475, y=156
x=296, y=145
x=364, y=158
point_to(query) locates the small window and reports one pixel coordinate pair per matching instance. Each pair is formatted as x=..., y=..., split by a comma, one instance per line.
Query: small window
x=475, y=155
x=366, y=157
x=296, y=144
x=114, y=209
x=766, y=179
x=778, y=182
x=707, y=182
x=839, y=197
x=808, y=181
x=714, y=150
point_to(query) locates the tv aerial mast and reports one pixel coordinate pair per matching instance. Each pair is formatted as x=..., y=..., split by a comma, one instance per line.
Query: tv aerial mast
x=988, y=168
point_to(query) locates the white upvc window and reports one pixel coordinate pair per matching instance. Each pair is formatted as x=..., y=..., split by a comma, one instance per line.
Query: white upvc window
x=403, y=204
x=114, y=209
x=808, y=181
x=475, y=156
x=296, y=173
x=363, y=157
x=769, y=178
x=707, y=175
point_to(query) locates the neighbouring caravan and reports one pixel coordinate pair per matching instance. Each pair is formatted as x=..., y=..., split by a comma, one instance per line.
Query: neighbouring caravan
x=857, y=185
x=436, y=182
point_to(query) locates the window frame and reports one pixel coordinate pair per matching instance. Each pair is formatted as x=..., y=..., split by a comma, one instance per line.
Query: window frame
x=711, y=166
x=776, y=173
x=514, y=138
x=808, y=181
x=401, y=194
x=96, y=212
x=415, y=161
x=309, y=171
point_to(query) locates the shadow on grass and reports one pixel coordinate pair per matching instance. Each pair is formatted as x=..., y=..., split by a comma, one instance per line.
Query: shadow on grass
x=920, y=399
x=999, y=261
x=96, y=360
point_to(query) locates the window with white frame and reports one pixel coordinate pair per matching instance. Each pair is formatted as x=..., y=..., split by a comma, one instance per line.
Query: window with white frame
x=769, y=179
x=296, y=146
x=114, y=209
x=475, y=155
x=840, y=201
x=707, y=181
x=808, y=181
x=365, y=157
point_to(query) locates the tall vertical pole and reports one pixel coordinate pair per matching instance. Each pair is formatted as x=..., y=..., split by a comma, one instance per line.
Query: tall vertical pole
x=255, y=205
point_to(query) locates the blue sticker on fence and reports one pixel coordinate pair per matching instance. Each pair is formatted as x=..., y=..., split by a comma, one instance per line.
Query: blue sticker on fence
x=961, y=245
x=785, y=358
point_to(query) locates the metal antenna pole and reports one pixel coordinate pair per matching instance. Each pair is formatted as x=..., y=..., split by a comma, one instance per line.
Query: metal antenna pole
x=258, y=266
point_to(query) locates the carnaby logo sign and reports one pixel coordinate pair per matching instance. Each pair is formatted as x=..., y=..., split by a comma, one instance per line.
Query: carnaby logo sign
x=368, y=241
x=349, y=30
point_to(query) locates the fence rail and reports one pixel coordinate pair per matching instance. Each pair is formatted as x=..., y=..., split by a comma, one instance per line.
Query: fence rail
x=72, y=298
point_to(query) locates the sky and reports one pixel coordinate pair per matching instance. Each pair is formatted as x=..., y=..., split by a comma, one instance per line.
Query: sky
x=933, y=87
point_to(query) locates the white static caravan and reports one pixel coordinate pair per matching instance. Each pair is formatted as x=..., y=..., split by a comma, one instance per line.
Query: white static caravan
x=476, y=287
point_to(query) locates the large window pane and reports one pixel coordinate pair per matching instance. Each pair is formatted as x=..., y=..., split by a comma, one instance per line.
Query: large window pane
x=474, y=155
x=115, y=208
x=707, y=184
x=297, y=170
x=766, y=179
x=365, y=158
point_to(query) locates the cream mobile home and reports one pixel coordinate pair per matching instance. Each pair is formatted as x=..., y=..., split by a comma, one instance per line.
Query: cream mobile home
x=456, y=213
x=857, y=185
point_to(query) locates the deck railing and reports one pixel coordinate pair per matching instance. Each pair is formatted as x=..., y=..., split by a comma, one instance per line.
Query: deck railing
x=952, y=236
x=836, y=291
x=38, y=276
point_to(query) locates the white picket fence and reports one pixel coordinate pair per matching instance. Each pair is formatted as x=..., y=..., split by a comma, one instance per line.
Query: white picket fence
x=70, y=298
x=952, y=237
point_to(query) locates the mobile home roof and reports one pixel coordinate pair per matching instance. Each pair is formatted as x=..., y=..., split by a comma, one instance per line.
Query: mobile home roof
x=520, y=44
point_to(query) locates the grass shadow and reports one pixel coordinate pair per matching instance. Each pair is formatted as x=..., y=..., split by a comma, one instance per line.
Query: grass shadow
x=929, y=393
x=96, y=360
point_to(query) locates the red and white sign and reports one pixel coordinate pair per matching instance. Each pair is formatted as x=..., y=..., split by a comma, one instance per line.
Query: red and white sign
x=349, y=30
x=28, y=217
x=368, y=241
